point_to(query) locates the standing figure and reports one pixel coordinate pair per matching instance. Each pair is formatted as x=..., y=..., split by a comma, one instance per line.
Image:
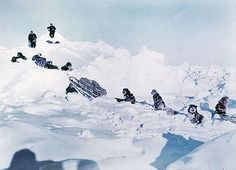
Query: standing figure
x=221, y=107
x=32, y=39
x=52, y=30
x=159, y=104
x=193, y=114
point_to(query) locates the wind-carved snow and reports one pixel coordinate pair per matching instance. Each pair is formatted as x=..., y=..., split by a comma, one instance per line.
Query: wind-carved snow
x=34, y=113
x=176, y=147
x=220, y=150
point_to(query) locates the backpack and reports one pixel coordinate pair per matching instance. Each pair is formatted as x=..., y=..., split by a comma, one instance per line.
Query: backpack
x=88, y=88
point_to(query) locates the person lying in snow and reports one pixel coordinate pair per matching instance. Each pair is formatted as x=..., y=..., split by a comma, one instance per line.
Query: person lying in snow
x=221, y=106
x=19, y=55
x=159, y=104
x=42, y=62
x=128, y=97
x=193, y=114
x=67, y=67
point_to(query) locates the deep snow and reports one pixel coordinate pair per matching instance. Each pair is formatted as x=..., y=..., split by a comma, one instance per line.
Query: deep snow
x=36, y=116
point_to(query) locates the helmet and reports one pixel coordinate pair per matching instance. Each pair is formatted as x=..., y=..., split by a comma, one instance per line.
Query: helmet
x=19, y=54
x=224, y=100
x=125, y=90
x=192, y=108
x=193, y=105
x=68, y=64
x=154, y=92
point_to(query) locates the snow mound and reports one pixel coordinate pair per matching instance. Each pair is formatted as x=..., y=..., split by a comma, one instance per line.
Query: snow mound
x=218, y=153
x=57, y=37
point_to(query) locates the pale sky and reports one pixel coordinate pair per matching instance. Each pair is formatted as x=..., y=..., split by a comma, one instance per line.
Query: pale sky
x=193, y=31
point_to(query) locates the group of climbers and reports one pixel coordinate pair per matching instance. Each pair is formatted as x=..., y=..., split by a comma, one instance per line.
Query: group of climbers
x=42, y=62
x=38, y=59
x=32, y=37
x=159, y=104
x=193, y=115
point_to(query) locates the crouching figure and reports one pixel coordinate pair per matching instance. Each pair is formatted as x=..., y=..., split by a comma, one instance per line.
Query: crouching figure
x=193, y=114
x=159, y=104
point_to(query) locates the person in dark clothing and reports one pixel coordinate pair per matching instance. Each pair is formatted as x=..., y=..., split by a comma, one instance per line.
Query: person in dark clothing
x=32, y=39
x=42, y=62
x=128, y=97
x=67, y=67
x=221, y=106
x=49, y=65
x=159, y=104
x=14, y=60
x=52, y=30
x=193, y=114
x=39, y=60
x=19, y=55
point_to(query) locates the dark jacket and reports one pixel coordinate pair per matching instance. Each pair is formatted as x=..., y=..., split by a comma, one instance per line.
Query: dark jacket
x=158, y=102
x=66, y=68
x=129, y=97
x=32, y=37
x=42, y=62
x=51, y=28
x=195, y=117
x=14, y=59
x=220, y=108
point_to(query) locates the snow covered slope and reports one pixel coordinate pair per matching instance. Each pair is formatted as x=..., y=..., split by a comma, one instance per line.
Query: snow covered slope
x=221, y=152
x=35, y=115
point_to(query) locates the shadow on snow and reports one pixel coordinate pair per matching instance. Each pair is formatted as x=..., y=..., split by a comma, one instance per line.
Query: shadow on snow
x=26, y=160
x=232, y=104
x=176, y=147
